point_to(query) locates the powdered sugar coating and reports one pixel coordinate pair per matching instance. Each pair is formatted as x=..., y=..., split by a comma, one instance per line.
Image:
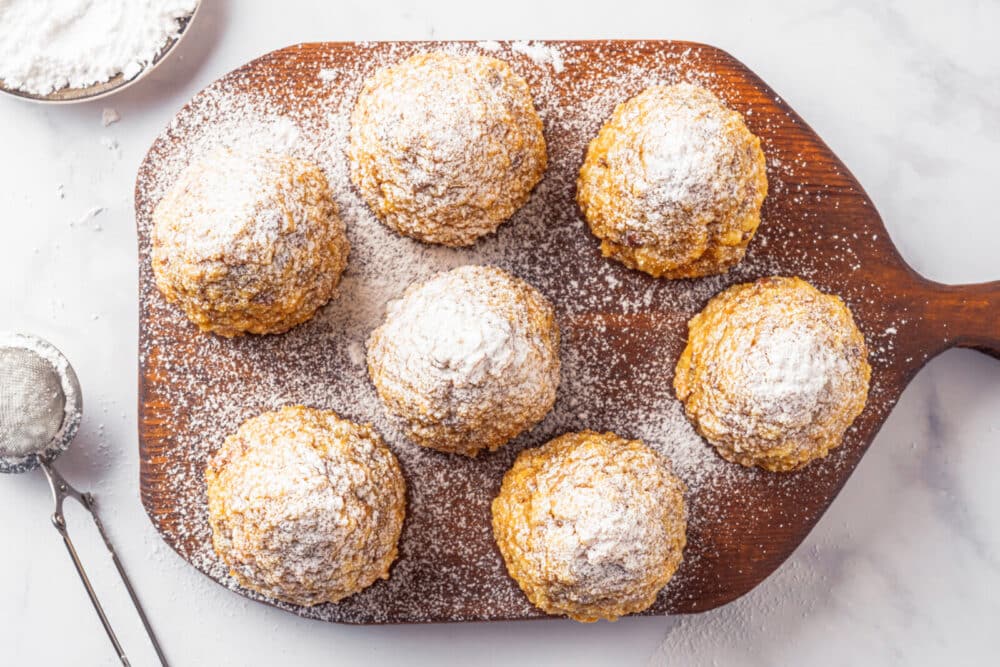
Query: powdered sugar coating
x=673, y=183
x=52, y=44
x=468, y=359
x=248, y=242
x=445, y=147
x=774, y=372
x=305, y=507
x=591, y=525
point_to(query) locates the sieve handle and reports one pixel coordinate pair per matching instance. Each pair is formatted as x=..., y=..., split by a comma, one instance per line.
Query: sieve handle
x=61, y=489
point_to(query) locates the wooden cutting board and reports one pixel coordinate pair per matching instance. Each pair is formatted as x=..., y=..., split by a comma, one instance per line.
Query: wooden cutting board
x=817, y=223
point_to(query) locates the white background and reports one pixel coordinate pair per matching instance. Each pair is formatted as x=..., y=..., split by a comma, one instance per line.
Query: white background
x=904, y=568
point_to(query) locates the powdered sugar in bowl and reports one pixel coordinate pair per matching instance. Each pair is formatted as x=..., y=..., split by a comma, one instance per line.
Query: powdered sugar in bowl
x=77, y=50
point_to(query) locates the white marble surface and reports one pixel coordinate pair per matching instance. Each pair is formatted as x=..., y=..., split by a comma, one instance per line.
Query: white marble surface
x=904, y=568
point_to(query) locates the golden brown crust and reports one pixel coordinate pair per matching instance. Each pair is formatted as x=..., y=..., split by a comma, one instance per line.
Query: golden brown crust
x=673, y=183
x=590, y=525
x=774, y=373
x=444, y=148
x=305, y=507
x=248, y=243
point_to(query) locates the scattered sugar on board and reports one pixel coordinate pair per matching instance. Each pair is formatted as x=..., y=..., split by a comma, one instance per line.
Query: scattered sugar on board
x=541, y=54
x=616, y=324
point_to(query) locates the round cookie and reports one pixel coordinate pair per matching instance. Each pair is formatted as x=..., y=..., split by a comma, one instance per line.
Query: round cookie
x=305, y=507
x=248, y=242
x=444, y=148
x=591, y=525
x=774, y=373
x=468, y=359
x=673, y=183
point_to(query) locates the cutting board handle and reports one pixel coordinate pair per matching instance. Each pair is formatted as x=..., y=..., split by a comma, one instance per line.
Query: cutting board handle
x=965, y=315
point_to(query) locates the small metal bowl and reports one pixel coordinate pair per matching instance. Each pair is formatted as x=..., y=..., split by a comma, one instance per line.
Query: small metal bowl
x=113, y=85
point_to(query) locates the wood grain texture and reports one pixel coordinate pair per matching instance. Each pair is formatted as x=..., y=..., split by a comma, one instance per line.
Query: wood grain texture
x=820, y=224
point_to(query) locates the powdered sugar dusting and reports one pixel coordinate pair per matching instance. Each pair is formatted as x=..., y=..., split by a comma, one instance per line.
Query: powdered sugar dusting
x=233, y=214
x=591, y=525
x=471, y=136
x=687, y=160
x=473, y=349
x=789, y=371
x=622, y=331
x=312, y=519
x=51, y=44
x=541, y=54
x=774, y=373
x=461, y=339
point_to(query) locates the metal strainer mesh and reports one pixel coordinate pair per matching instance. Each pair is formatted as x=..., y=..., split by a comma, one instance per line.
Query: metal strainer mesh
x=32, y=402
x=40, y=402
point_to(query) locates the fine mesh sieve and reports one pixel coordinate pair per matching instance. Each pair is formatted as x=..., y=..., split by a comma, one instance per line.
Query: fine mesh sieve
x=40, y=410
x=40, y=402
